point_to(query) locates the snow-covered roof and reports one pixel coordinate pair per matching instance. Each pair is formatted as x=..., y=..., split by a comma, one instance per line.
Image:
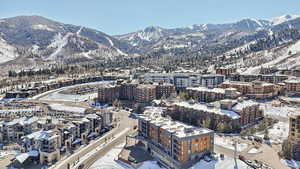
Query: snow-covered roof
x=203, y=107
x=205, y=89
x=33, y=109
x=23, y=121
x=243, y=104
x=24, y=156
x=42, y=134
x=178, y=129
x=61, y=107
x=294, y=80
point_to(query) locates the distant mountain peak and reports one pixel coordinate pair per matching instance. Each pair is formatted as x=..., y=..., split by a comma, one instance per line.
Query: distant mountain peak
x=283, y=18
x=153, y=29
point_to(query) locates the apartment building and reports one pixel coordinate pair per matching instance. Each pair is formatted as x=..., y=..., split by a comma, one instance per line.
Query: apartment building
x=197, y=114
x=173, y=143
x=164, y=89
x=294, y=136
x=225, y=71
x=293, y=86
x=47, y=142
x=256, y=89
x=108, y=93
x=269, y=78
x=13, y=131
x=184, y=80
x=248, y=110
x=145, y=93
x=211, y=80
x=204, y=94
x=236, y=113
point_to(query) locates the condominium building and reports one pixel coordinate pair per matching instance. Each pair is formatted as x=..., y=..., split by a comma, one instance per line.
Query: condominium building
x=164, y=89
x=237, y=113
x=145, y=93
x=48, y=143
x=269, y=78
x=294, y=136
x=108, y=93
x=256, y=89
x=204, y=94
x=184, y=80
x=173, y=143
x=225, y=71
x=293, y=86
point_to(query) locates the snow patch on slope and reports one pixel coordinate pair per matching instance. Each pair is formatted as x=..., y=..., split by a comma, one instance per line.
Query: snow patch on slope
x=42, y=27
x=7, y=52
x=58, y=42
x=282, y=60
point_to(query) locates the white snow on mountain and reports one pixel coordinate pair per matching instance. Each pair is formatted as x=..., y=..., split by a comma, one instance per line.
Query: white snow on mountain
x=282, y=58
x=79, y=31
x=110, y=41
x=58, y=42
x=7, y=52
x=282, y=19
x=42, y=27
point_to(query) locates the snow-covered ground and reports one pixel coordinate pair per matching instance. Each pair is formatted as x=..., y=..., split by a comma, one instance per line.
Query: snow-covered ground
x=108, y=161
x=291, y=163
x=61, y=107
x=227, y=142
x=68, y=97
x=282, y=60
x=7, y=52
x=282, y=111
x=279, y=132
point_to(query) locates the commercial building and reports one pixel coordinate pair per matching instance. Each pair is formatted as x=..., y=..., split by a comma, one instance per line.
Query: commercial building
x=173, y=143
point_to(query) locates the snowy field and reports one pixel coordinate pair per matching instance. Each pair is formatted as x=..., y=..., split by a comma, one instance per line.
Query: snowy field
x=108, y=162
x=68, y=87
x=70, y=98
x=228, y=143
x=282, y=111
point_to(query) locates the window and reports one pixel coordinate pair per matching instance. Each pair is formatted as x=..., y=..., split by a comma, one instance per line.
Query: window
x=196, y=148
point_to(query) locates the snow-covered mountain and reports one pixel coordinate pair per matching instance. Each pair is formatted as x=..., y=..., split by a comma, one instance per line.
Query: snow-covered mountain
x=36, y=37
x=195, y=36
x=31, y=38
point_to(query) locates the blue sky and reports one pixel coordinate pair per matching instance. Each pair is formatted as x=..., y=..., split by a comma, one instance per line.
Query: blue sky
x=123, y=16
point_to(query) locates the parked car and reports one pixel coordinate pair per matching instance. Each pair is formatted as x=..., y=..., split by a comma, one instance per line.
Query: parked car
x=258, y=139
x=250, y=138
x=207, y=159
x=242, y=158
x=222, y=156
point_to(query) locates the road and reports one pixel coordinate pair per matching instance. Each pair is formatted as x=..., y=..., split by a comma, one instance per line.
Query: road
x=125, y=122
